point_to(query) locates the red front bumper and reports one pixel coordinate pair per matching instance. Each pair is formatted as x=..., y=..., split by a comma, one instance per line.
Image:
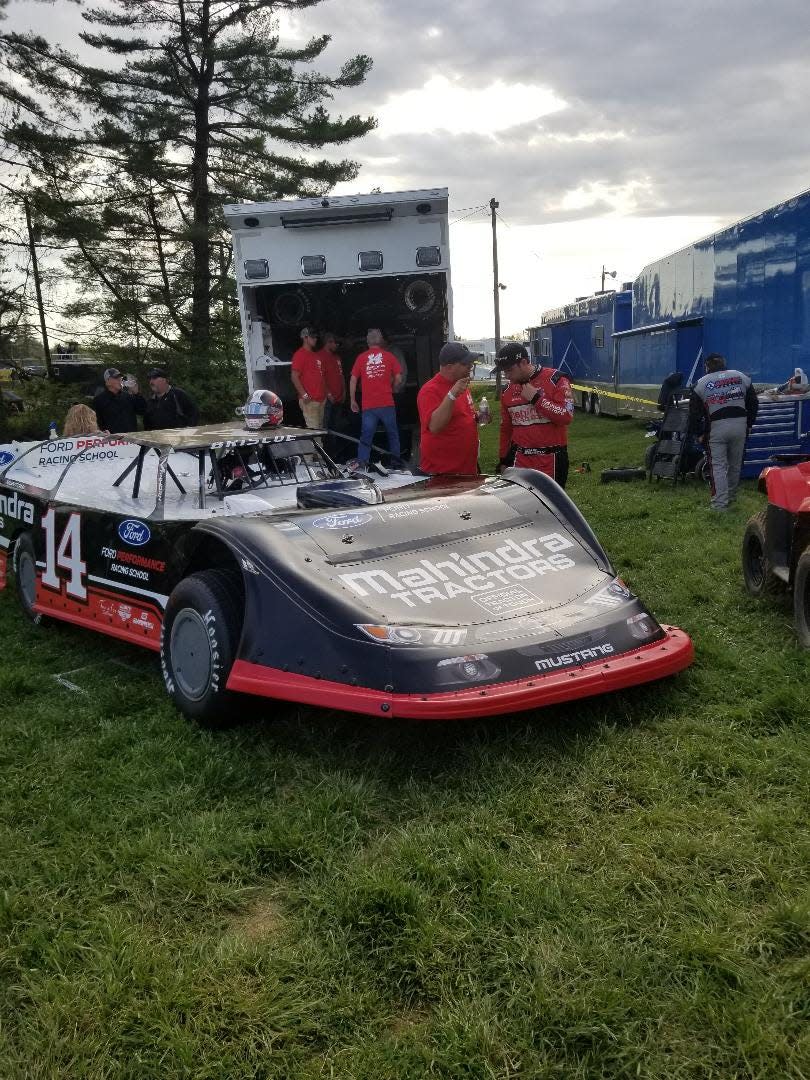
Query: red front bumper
x=662, y=658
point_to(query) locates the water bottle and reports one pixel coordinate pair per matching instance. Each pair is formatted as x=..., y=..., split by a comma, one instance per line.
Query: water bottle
x=52, y=432
x=483, y=412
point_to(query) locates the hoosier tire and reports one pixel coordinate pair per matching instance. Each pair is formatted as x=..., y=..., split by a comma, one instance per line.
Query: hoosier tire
x=760, y=580
x=24, y=565
x=198, y=643
x=801, y=599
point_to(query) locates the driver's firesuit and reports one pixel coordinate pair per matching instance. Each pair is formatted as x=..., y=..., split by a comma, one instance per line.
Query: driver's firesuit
x=534, y=434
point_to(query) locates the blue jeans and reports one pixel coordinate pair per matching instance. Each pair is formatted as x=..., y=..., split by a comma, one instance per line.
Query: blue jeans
x=387, y=416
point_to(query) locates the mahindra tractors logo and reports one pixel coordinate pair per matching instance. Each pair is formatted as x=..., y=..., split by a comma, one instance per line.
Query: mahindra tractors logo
x=134, y=533
x=454, y=575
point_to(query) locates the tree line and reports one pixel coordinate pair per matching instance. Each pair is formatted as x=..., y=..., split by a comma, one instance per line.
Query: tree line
x=127, y=158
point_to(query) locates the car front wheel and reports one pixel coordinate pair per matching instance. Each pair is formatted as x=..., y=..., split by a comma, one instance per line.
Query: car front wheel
x=198, y=644
x=801, y=599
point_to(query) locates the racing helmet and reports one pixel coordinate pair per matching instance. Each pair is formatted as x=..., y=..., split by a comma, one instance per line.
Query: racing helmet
x=264, y=409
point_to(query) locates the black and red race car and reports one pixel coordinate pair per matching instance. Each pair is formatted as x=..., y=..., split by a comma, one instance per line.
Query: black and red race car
x=252, y=564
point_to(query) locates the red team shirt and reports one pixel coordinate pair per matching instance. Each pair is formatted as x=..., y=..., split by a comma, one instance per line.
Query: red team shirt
x=308, y=366
x=455, y=449
x=333, y=374
x=533, y=428
x=375, y=370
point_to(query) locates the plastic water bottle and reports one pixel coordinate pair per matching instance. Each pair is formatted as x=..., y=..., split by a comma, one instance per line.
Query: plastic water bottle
x=52, y=431
x=483, y=412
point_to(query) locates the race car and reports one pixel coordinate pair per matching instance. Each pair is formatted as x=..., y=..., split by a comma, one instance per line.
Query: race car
x=253, y=565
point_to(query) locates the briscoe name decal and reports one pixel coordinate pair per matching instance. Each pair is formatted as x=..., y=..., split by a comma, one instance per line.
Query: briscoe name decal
x=14, y=507
x=569, y=659
x=442, y=580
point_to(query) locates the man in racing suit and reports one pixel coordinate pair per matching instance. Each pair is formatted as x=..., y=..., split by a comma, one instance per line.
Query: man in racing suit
x=536, y=408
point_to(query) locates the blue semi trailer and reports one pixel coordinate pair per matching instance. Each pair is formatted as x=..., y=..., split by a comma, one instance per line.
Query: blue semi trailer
x=743, y=291
x=579, y=340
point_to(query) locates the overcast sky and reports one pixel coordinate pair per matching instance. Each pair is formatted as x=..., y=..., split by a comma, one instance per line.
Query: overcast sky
x=609, y=132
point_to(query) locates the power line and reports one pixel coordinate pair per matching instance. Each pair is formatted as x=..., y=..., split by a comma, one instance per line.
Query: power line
x=478, y=210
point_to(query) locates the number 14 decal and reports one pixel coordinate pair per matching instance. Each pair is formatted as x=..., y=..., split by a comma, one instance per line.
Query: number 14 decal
x=67, y=555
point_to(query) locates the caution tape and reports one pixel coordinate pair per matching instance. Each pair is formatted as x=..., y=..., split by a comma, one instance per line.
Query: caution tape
x=611, y=394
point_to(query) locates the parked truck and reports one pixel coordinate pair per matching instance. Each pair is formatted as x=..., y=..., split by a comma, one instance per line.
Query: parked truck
x=344, y=264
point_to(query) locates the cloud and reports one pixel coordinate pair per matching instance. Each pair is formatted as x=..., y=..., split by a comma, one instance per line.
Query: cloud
x=606, y=119
x=442, y=105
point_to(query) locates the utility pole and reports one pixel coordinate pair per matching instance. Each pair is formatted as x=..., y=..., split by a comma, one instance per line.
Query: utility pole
x=493, y=206
x=37, y=287
x=606, y=273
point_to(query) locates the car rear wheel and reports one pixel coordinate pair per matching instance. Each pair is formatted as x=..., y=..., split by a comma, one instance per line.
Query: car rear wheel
x=198, y=645
x=587, y=403
x=25, y=576
x=760, y=580
x=596, y=405
x=801, y=599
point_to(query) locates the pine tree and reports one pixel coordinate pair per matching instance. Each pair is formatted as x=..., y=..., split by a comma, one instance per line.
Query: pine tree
x=201, y=104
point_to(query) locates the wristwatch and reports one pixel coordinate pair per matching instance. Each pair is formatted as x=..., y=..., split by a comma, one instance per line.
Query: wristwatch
x=452, y=396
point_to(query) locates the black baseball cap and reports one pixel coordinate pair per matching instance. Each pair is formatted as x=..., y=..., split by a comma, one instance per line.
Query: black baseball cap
x=510, y=354
x=157, y=373
x=112, y=373
x=456, y=352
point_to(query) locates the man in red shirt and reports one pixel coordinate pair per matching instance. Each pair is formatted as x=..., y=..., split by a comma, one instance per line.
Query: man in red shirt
x=447, y=417
x=378, y=374
x=332, y=369
x=536, y=408
x=307, y=378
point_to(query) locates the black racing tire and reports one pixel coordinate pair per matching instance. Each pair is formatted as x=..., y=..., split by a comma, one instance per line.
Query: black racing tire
x=596, y=405
x=625, y=473
x=293, y=308
x=587, y=403
x=24, y=564
x=419, y=297
x=801, y=598
x=759, y=578
x=198, y=645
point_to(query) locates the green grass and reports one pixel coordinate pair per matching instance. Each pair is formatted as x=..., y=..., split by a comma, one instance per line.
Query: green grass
x=618, y=888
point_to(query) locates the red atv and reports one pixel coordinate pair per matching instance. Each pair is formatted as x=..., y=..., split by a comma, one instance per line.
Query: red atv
x=776, y=545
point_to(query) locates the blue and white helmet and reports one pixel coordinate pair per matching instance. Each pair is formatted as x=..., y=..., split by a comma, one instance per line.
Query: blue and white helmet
x=264, y=409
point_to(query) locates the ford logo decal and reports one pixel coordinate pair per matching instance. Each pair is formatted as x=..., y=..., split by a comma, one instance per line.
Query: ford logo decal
x=134, y=532
x=341, y=521
x=5, y=457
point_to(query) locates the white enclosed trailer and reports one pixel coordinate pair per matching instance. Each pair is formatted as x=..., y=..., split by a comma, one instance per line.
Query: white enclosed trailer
x=344, y=264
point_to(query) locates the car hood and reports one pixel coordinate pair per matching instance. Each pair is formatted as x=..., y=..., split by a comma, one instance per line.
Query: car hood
x=495, y=553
